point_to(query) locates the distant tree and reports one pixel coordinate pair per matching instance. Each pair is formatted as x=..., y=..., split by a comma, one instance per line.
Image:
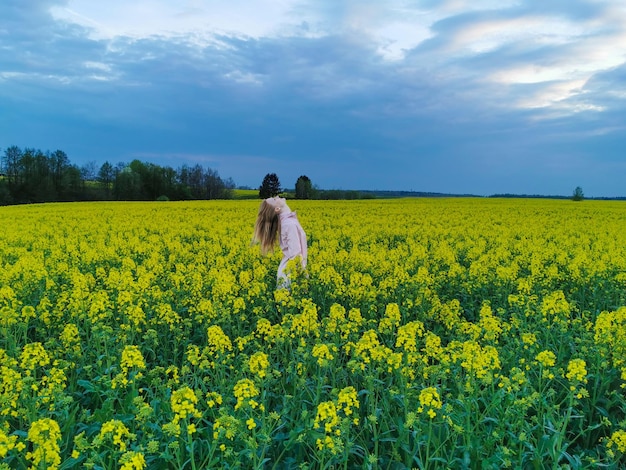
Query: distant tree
x=213, y=184
x=578, y=194
x=203, y=183
x=192, y=180
x=11, y=165
x=74, y=182
x=105, y=177
x=38, y=183
x=270, y=186
x=5, y=193
x=127, y=185
x=58, y=165
x=304, y=188
x=89, y=171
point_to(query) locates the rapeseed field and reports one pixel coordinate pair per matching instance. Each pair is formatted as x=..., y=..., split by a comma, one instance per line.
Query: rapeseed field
x=426, y=333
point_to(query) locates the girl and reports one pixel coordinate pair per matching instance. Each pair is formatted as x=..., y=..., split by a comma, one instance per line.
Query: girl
x=277, y=221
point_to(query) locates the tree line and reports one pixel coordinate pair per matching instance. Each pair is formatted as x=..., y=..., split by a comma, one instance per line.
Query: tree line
x=30, y=175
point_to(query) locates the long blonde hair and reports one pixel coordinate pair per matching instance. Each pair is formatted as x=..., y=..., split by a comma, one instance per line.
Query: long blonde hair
x=267, y=227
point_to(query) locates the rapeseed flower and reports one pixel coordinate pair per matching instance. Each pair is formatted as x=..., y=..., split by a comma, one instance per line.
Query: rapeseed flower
x=577, y=375
x=45, y=435
x=226, y=426
x=11, y=386
x=336, y=318
x=259, y=364
x=546, y=358
x=8, y=443
x=117, y=431
x=391, y=319
x=490, y=324
x=429, y=401
x=475, y=359
x=218, y=341
x=8, y=317
x=327, y=418
x=529, y=339
x=305, y=323
x=33, y=354
x=245, y=391
x=577, y=370
x=213, y=398
x=183, y=402
x=132, y=358
x=432, y=345
x=132, y=460
x=70, y=338
x=324, y=353
x=408, y=334
x=347, y=400
x=617, y=442
x=555, y=308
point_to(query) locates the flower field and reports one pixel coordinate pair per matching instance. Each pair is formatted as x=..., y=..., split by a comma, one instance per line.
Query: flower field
x=427, y=333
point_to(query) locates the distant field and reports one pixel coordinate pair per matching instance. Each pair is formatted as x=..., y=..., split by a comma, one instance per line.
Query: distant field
x=246, y=193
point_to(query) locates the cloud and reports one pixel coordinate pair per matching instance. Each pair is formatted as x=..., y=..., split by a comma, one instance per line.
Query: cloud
x=346, y=90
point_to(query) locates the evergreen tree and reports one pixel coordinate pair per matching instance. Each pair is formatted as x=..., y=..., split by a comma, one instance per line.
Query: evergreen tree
x=270, y=186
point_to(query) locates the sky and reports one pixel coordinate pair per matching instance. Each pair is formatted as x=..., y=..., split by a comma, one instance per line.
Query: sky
x=451, y=96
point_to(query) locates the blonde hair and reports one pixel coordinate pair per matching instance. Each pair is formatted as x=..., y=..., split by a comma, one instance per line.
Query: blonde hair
x=267, y=227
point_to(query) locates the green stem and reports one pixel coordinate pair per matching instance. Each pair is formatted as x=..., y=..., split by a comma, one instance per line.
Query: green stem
x=430, y=433
x=192, y=456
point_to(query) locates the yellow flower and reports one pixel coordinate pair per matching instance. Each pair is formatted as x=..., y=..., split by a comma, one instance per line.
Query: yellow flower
x=491, y=325
x=45, y=435
x=429, y=401
x=218, y=341
x=336, y=318
x=546, y=358
x=392, y=318
x=258, y=364
x=326, y=417
x=226, y=426
x=7, y=443
x=70, y=337
x=554, y=307
x=577, y=370
x=117, y=431
x=8, y=317
x=529, y=339
x=132, y=460
x=408, y=334
x=213, y=398
x=305, y=323
x=245, y=390
x=432, y=346
x=132, y=357
x=475, y=359
x=33, y=354
x=183, y=403
x=323, y=353
x=329, y=443
x=618, y=441
x=347, y=400
x=28, y=312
